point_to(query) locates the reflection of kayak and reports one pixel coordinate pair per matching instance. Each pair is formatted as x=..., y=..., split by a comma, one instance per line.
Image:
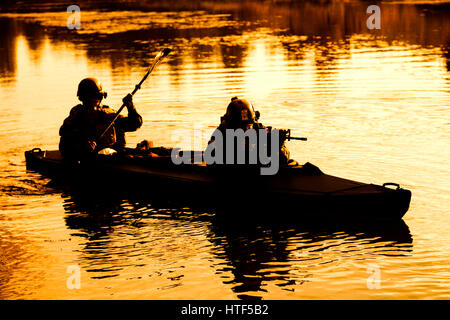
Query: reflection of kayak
x=303, y=188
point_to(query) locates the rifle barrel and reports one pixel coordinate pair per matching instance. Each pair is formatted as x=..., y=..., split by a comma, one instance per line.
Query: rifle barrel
x=298, y=138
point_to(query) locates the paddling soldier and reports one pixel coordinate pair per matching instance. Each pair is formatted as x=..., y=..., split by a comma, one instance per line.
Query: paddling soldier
x=81, y=129
x=240, y=114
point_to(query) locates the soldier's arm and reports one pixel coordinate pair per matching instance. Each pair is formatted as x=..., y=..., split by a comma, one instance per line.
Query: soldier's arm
x=133, y=121
x=284, y=155
x=130, y=123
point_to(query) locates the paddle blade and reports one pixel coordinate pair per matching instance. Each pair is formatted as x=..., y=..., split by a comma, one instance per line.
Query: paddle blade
x=166, y=51
x=163, y=53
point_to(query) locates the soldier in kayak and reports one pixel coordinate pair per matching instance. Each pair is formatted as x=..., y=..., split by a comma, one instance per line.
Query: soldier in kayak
x=86, y=121
x=240, y=114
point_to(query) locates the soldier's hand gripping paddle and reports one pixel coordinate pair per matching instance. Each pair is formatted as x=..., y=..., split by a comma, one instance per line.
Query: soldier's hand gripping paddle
x=158, y=58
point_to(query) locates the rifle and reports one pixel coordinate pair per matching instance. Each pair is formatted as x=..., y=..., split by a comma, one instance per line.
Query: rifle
x=285, y=134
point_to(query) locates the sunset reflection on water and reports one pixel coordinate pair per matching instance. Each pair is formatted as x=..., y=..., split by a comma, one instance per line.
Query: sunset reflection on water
x=373, y=104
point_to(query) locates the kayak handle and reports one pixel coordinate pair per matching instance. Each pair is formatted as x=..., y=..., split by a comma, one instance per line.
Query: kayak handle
x=391, y=184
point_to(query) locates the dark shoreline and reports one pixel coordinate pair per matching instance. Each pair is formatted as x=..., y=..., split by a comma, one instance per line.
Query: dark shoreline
x=30, y=6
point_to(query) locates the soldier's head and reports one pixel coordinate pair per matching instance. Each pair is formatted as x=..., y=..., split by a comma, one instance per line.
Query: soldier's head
x=90, y=92
x=240, y=114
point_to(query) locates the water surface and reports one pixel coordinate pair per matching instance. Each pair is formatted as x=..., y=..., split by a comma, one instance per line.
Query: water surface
x=374, y=105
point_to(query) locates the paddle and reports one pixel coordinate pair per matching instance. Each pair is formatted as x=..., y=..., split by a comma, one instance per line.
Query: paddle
x=158, y=58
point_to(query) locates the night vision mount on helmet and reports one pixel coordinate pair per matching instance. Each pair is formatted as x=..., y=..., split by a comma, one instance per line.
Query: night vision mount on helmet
x=90, y=88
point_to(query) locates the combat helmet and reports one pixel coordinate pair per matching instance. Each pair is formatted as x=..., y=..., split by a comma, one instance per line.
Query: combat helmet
x=90, y=88
x=239, y=113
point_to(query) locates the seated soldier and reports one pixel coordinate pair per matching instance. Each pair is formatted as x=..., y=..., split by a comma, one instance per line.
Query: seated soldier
x=81, y=129
x=240, y=114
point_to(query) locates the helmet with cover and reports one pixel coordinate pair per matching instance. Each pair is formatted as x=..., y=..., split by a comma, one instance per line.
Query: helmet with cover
x=240, y=113
x=90, y=88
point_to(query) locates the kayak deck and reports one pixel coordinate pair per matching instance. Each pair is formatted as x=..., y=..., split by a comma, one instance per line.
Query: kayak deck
x=305, y=188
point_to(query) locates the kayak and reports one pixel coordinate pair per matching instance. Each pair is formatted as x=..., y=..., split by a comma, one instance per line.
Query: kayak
x=297, y=191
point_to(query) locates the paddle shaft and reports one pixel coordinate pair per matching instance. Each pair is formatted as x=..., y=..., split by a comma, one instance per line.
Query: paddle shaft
x=156, y=61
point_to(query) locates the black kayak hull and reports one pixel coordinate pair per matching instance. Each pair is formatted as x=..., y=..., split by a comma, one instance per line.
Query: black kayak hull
x=299, y=192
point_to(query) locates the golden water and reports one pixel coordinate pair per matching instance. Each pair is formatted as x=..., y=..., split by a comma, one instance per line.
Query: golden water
x=374, y=105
